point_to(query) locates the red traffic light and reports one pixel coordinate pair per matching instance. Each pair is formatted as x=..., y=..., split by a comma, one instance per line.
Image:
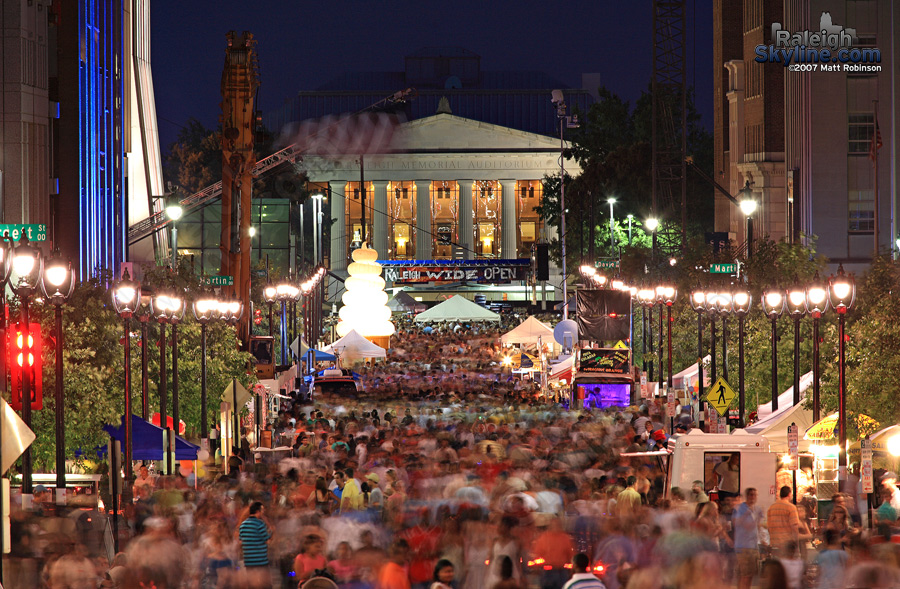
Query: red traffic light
x=24, y=354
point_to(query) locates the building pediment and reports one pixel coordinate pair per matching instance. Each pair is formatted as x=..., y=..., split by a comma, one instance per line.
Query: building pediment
x=449, y=133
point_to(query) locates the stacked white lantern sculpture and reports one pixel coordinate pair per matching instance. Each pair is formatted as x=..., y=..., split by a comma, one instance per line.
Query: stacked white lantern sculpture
x=365, y=302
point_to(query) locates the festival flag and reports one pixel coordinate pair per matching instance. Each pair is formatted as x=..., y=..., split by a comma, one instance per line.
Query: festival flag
x=876, y=143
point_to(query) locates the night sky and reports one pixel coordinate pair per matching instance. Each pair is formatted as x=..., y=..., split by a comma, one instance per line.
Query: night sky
x=302, y=45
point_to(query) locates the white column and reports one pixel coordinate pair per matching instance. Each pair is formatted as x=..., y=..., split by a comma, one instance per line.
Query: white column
x=466, y=215
x=338, y=247
x=379, y=218
x=508, y=220
x=423, y=220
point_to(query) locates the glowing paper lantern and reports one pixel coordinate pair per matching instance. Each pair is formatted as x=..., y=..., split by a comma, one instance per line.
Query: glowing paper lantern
x=365, y=302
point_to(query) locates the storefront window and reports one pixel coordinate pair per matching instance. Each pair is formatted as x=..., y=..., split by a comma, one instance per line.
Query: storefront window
x=401, y=199
x=529, y=224
x=487, y=199
x=444, y=218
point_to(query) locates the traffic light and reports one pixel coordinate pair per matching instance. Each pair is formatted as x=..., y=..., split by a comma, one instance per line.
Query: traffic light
x=257, y=317
x=24, y=348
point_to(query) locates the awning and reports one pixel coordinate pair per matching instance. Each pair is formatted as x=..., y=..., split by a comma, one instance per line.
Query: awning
x=147, y=441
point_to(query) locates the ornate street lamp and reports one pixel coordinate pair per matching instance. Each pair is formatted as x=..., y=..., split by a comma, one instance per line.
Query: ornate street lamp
x=57, y=284
x=698, y=304
x=206, y=309
x=841, y=294
x=164, y=305
x=25, y=280
x=270, y=294
x=230, y=311
x=647, y=298
x=144, y=313
x=712, y=310
x=724, y=307
x=741, y=302
x=816, y=305
x=773, y=306
x=669, y=295
x=285, y=291
x=795, y=300
x=748, y=206
x=126, y=298
x=660, y=298
x=174, y=212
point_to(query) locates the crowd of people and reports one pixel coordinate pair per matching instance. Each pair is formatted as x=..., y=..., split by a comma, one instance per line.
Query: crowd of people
x=449, y=473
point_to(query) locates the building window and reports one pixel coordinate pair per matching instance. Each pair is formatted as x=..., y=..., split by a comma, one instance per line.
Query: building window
x=860, y=196
x=353, y=210
x=529, y=225
x=444, y=218
x=860, y=131
x=401, y=199
x=487, y=199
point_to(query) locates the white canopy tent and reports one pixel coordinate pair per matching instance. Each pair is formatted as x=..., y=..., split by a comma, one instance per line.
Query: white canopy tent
x=773, y=425
x=354, y=347
x=403, y=303
x=563, y=370
x=456, y=309
x=528, y=333
x=688, y=376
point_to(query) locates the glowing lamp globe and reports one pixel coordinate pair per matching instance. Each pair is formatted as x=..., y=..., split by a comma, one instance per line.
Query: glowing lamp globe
x=365, y=307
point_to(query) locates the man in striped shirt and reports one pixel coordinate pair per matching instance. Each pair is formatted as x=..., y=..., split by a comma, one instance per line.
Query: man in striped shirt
x=583, y=577
x=255, y=535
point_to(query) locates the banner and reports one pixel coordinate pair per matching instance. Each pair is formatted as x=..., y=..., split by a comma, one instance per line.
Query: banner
x=603, y=315
x=501, y=271
x=605, y=361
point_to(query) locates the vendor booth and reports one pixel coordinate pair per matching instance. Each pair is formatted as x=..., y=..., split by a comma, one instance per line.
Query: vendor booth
x=457, y=309
x=147, y=441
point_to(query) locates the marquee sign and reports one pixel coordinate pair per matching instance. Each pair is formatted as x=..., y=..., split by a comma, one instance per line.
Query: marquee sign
x=605, y=361
x=480, y=271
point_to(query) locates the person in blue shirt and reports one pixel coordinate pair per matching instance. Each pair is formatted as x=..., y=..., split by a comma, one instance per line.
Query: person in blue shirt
x=832, y=562
x=746, y=520
x=255, y=534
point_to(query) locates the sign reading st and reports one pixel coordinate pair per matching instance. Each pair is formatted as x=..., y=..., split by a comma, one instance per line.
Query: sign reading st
x=15, y=232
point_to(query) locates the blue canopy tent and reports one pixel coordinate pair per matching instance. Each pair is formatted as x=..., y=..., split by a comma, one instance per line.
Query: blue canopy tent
x=147, y=441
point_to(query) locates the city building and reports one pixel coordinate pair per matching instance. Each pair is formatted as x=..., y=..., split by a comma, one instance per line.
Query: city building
x=80, y=152
x=805, y=140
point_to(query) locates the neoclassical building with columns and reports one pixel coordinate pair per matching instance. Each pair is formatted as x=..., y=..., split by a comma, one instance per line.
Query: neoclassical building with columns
x=453, y=188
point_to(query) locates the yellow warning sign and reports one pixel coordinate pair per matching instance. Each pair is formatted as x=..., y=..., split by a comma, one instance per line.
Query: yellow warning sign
x=720, y=396
x=620, y=345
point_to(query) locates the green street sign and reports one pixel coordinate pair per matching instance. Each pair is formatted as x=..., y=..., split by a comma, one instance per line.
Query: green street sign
x=36, y=232
x=722, y=268
x=608, y=264
x=219, y=281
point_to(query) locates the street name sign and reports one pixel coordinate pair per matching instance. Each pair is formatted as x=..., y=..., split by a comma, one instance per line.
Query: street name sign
x=35, y=232
x=608, y=264
x=219, y=281
x=722, y=268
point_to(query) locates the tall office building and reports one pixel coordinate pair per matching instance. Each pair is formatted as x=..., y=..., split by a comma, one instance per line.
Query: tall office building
x=805, y=140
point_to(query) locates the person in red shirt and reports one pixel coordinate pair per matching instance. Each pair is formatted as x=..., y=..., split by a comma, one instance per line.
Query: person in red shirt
x=424, y=542
x=556, y=549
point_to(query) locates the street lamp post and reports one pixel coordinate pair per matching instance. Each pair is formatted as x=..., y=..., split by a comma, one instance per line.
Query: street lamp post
x=712, y=310
x=230, y=311
x=669, y=294
x=724, y=306
x=796, y=306
x=206, y=308
x=174, y=212
x=647, y=298
x=816, y=305
x=176, y=313
x=26, y=274
x=773, y=305
x=612, y=226
x=841, y=294
x=748, y=206
x=660, y=300
x=630, y=219
x=285, y=291
x=57, y=284
x=269, y=294
x=698, y=303
x=652, y=224
x=741, y=300
x=163, y=306
x=143, y=315
x=126, y=300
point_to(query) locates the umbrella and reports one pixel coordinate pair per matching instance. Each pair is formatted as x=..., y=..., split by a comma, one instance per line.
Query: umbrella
x=827, y=428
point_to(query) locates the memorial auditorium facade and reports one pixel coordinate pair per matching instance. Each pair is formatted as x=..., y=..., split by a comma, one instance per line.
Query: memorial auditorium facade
x=453, y=194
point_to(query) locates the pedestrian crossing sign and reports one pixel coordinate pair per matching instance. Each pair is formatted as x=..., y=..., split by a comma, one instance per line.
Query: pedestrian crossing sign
x=620, y=345
x=720, y=396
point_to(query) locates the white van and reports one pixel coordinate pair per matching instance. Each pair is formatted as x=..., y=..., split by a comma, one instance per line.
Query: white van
x=694, y=456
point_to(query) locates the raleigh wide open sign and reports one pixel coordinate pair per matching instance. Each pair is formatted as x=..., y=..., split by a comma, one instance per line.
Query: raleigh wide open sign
x=425, y=271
